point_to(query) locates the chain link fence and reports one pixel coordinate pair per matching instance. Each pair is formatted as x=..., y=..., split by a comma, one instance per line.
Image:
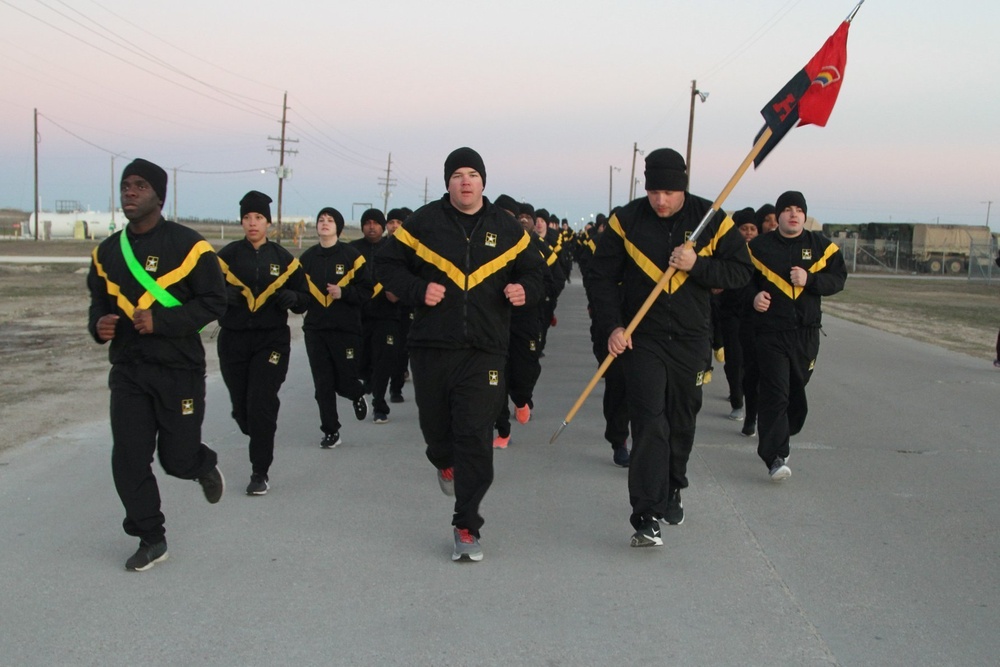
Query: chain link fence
x=894, y=256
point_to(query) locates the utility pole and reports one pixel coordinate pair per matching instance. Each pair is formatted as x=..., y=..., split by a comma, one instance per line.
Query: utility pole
x=113, y=207
x=283, y=173
x=988, y=205
x=37, y=140
x=611, y=173
x=631, y=187
x=387, y=182
x=425, y=189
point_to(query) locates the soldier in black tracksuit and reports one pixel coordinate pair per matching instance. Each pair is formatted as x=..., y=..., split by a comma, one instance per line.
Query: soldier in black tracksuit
x=401, y=366
x=339, y=284
x=794, y=269
x=474, y=262
x=553, y=240
x=264, y=282
x=614, y=405
x=523, y=363
x=379, y=320
x=157, y=377
x=669, y=352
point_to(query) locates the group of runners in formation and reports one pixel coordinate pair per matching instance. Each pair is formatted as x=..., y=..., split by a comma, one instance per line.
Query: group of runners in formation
x=460, y=293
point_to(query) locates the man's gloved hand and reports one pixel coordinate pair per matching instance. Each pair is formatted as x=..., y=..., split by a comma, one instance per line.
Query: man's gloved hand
x=286, y=298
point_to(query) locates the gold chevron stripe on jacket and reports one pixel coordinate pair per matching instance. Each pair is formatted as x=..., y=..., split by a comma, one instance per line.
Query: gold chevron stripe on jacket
x=164, y=281
x=781, y=283
x=651, y=269
x=322, y=296
x=255, y=304
x=459, y=278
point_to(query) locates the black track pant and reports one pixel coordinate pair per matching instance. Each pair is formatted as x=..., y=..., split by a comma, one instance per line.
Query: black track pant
x=615, y=403
x=154, y=408
x=254, y=363
x=523, y=369
x=459, y=394
x=664, y=379
x=381, y=346
x=734, y=366
x=786, y=361
x=333, y=361
x=402, y=363
x=751, y=371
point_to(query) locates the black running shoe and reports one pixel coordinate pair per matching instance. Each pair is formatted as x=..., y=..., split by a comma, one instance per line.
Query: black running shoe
x=147, y=556
x=360, y=408
x=213, y=484
x=380, y=418
x=648, y=534
x=258, y=485
x=779, y=470
x=675, y=509
x=396, y=398
x=621, y=457
x=330, y=440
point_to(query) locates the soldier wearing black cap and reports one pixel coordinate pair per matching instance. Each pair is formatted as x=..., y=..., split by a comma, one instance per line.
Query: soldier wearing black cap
x=667, y=356
x=339, y=284
x=153, y=286
x=401, y=366
x=474, y=263
x=379, y=320
x=523, y=352
x=795, y=268
x=264, y=283
x=734, y=306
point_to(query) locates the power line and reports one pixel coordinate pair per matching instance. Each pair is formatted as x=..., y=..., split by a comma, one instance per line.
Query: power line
x=132, y=64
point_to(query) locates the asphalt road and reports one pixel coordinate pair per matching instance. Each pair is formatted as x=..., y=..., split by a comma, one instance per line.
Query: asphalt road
x=882, y=548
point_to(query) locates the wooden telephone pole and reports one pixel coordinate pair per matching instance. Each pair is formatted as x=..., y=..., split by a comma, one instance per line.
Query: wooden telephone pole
x=283, y=172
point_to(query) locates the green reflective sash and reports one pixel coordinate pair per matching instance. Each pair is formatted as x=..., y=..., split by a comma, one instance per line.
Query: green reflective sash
x=160, y=294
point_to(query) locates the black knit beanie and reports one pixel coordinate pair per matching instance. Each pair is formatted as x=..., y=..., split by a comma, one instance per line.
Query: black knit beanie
x=463, y=157
x=542, y=213
x=508, y=203
x=525, y=208
x=665, y=170
x=396, y=214
x=373, y=214
x=151, y=173
x=256, y=202
x=338, y=219
x=790, y=198
x=763, y=212
x=746, y=216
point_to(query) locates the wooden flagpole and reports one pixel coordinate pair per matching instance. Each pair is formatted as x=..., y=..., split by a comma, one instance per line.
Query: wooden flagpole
x=665, y=278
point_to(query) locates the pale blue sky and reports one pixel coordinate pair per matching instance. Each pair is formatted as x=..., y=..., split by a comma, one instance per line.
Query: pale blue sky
x=552, y=94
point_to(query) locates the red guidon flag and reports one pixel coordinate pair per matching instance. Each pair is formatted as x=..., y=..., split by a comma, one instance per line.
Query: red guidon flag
x=808, y=98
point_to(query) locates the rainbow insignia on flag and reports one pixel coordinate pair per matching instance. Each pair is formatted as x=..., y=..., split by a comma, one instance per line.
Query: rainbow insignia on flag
x=826, y=76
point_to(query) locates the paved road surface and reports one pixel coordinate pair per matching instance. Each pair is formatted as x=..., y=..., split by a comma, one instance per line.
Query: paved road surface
x=882, y=548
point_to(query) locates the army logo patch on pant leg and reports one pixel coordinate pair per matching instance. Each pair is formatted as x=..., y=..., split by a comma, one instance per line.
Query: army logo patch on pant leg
x=349, y=353
x=532, y=346
x=187, y=406
x=494, y=378
x=812, y=364
x=699, y=379
x=274, y=358
x=390, y=340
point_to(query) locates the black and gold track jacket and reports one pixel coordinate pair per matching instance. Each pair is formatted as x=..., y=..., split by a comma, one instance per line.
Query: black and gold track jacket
x=253, y=278
x=635, y=251
x=432, y=246
x=183, y=263
x=378, y=306
x=792, y=307
x=342, y=265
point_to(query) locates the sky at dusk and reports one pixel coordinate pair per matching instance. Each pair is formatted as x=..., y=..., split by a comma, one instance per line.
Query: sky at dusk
x=552, y=94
